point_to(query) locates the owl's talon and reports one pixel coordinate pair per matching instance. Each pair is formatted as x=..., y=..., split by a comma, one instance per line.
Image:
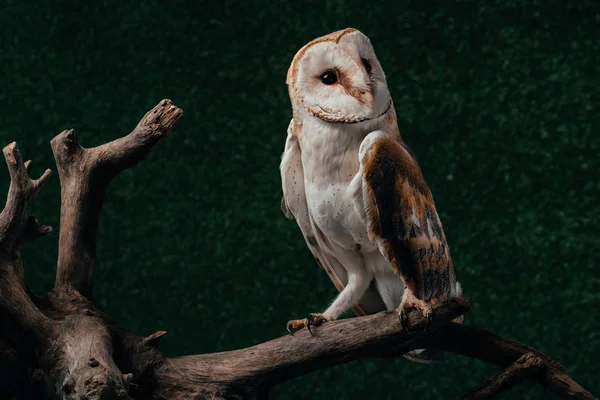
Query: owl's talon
x=295, y=325
x=428, y=319
x=315, y=319
x=411, y=302
x=403, y=321
x=289, y=328
x=308, y=326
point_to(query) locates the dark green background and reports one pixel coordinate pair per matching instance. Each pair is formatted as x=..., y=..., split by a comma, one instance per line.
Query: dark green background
x=499, y=100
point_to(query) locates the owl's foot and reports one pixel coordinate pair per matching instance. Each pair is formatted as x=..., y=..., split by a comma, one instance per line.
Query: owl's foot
x=409, y=302
x=314, y=319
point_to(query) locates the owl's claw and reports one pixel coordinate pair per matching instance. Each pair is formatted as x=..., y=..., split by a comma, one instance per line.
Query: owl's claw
x=295, y=325
x=409, y=302
x=428, y=319
x=289, y=329
x=309, y=331
x=403, y=320
x=315, y=319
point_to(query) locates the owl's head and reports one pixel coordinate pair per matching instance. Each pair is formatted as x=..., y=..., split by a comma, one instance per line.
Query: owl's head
x=338, y=79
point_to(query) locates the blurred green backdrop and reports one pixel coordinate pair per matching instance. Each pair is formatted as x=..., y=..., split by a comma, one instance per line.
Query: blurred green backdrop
x=499, y=100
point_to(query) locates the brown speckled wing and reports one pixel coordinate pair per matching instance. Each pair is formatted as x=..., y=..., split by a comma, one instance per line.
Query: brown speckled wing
x=294, y=206
x=402, y=217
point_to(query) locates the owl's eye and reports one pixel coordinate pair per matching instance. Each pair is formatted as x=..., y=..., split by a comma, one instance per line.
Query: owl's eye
x=329, y=77
x=367, y=64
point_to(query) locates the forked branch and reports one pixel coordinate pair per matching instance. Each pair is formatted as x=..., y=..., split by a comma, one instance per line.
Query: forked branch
x=17, y=228
x=526, y=366
x=501, y=351
x=84, y=178
x=67, y=338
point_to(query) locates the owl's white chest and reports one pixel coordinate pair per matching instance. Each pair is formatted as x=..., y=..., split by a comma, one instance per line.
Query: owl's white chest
x=333, y=210
x=329, y=170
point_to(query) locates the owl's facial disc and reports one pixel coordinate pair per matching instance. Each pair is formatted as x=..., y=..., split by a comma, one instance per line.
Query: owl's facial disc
x=354, y=95
x=341, y=81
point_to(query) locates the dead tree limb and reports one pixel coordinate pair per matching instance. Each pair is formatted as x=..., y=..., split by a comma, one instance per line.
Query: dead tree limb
x=60, y=346
x=495, y=349
x=84, y=178
x=257, y=369
x=16, y=230
x=525, y=366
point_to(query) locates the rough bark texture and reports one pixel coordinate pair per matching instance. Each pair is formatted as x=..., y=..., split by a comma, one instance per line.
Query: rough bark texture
x=60, y=346
x=495, y=349
x=84, y=178
x=525, y=366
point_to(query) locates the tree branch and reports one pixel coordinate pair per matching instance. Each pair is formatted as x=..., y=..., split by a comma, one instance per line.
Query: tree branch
x=495, y=349
x=88, y=361
x=73, y=345
x=250, y=373
x=525, y=366
x=16, y=230
x=257, y=369
x=84, y=177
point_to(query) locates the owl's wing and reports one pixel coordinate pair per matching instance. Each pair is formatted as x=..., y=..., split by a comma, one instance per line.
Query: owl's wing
x=294, y=206
x=401, y=217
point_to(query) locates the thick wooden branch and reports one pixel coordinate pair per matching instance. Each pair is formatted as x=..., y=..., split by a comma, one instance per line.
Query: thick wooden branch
x=525, y=366
x=63, y=346
x=16, y=230
x=249, y=372
x=88, y=369
x=84, y=177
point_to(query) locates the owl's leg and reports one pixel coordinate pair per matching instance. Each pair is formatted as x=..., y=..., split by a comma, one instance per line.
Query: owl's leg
x=359, y=279
x=409, y=302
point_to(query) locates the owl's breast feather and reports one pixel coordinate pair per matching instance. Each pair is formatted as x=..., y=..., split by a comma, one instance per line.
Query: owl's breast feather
x=333, y=210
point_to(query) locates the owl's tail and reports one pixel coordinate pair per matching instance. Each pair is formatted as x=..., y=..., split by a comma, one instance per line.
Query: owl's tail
x=434, y=356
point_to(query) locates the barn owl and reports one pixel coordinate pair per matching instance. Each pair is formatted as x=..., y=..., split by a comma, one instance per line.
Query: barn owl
x=355, y=189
